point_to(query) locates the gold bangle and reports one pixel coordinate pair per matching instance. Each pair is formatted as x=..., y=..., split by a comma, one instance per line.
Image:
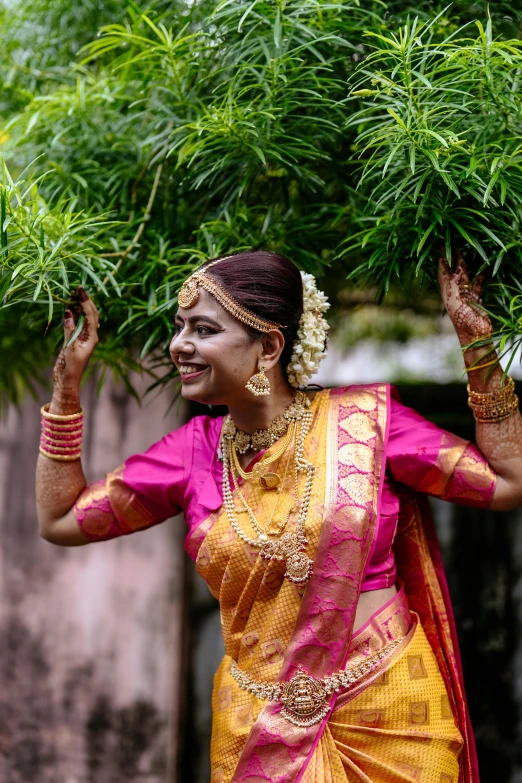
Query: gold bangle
x=61, y=457
x=495, y=412
x=498, y=394
x=58, y=417
x=481, y=366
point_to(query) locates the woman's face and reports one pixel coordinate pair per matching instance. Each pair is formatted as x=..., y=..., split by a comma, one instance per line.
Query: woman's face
x=213, y=353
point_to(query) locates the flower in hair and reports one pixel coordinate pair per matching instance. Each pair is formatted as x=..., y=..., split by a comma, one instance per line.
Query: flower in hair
x=310, y=345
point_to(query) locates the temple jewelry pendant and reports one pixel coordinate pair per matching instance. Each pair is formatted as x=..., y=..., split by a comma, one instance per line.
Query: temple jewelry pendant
x=268, y=479
x=298, y=568
x=305, y=701
x=290, y=549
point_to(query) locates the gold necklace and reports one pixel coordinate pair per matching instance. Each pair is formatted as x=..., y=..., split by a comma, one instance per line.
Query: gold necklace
x=267, y=479
x=265, y=531
x=263, y=439
x=290, y=548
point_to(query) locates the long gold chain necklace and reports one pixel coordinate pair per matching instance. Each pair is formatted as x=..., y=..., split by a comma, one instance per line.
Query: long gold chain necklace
x=246, y=508
x=290, y=548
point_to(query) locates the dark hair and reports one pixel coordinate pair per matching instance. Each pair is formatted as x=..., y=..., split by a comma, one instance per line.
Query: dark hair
x=268, y=284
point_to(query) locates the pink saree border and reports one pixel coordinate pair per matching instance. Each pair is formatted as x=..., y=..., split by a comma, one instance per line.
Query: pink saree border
x=323, y=633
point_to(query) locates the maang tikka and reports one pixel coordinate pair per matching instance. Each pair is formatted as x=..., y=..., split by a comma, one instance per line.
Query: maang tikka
x=259, y=384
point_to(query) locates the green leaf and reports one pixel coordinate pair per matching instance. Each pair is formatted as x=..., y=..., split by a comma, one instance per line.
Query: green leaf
x=77, y=331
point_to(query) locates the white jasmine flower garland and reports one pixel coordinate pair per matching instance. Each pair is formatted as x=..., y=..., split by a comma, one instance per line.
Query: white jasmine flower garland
x=310, y=345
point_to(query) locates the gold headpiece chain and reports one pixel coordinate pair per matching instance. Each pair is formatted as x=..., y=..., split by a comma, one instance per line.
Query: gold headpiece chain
x=189, y=294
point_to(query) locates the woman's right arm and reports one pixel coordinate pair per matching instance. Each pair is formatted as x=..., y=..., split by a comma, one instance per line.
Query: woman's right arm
x=58, y=484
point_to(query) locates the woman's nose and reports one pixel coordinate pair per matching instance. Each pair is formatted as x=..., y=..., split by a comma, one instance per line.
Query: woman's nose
x=180, y=344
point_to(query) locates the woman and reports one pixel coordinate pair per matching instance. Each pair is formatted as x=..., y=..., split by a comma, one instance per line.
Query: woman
x=305, y=519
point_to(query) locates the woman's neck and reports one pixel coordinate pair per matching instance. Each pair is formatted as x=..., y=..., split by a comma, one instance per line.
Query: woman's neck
x=258, y=413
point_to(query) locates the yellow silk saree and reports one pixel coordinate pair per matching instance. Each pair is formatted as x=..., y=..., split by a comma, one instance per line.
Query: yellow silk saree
x=406, y=720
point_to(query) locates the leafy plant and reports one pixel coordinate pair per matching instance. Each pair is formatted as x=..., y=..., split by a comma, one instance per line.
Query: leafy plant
x=440, y=140
x=183, y=131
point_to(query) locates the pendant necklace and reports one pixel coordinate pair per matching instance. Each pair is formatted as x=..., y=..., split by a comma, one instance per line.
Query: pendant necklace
x=290, y=547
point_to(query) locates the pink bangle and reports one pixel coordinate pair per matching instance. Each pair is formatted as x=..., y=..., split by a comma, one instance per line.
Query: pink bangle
x=62, y=436
x=53, y=426
x=58, y=445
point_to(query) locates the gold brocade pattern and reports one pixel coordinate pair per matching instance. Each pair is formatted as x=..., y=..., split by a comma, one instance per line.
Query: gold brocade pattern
x=398, y=729
x=258, y=606
x=258, y=619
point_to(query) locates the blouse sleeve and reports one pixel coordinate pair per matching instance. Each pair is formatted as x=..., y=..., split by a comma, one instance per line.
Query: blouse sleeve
x=147, y=489
x=431, y=460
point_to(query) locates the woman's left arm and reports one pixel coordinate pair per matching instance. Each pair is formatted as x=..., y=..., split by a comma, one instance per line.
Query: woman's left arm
x=499, y=437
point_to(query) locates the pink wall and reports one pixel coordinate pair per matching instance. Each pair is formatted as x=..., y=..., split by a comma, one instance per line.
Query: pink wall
x=90, y=637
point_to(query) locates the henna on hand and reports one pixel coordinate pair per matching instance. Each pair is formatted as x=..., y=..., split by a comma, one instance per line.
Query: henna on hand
x=463, y=301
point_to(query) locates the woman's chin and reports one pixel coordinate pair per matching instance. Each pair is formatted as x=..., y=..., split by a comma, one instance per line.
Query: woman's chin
x=196, y=392
x=192, y=393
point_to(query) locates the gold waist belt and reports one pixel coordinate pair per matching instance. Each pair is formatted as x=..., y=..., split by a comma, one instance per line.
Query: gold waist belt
x=305, y=699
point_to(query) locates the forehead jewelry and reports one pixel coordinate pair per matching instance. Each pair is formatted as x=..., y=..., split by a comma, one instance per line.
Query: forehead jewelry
x=189, y=295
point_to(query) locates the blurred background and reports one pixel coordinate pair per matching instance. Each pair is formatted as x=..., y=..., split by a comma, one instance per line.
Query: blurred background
x=123, y=165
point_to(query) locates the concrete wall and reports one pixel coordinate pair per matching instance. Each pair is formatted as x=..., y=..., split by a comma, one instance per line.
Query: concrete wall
x=90, y=637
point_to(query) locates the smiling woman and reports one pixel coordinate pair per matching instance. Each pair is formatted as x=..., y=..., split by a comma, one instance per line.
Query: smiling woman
x=306, y=517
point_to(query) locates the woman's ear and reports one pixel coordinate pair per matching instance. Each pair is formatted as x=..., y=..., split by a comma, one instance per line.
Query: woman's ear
x=272, y=345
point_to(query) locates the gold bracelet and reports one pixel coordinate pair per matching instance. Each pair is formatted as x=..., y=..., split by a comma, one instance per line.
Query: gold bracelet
x=488, y=397
x=61, y=457
x=481, y=366
x=58, y=417
x=495, y=414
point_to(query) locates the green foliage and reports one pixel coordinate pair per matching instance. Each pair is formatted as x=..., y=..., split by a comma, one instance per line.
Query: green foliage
x=41, y=249
x=440, y=137
x=193, y=132
x=180, y=132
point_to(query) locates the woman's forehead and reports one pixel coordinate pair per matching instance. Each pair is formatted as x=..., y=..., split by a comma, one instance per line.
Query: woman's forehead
x=206, y=306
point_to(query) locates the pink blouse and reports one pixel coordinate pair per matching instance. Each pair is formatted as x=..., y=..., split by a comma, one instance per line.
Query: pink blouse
x=183, y=473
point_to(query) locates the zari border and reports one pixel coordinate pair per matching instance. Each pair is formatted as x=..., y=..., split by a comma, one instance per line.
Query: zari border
x=322, y=635
x=419, y=564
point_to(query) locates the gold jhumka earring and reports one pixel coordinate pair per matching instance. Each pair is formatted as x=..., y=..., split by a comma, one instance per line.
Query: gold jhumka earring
x=259, y=384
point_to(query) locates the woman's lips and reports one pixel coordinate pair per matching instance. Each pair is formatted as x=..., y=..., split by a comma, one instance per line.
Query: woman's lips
x=192, y=374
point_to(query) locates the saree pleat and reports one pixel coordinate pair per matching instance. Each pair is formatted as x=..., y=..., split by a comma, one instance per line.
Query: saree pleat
x=420, y=742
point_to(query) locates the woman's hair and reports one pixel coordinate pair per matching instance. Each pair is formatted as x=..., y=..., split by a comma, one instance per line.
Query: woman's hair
x=268, y=284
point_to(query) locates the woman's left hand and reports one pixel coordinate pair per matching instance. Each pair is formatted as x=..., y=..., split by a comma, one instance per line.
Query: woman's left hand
x=462, y=300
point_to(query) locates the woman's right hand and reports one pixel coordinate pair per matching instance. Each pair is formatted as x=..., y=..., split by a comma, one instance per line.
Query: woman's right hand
x=72, y=359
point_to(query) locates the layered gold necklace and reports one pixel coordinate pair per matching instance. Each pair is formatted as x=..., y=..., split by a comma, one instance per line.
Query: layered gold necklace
x=292, y=427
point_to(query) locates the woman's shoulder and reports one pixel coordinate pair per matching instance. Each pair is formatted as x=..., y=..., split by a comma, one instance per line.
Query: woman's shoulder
x=354, y=390
x=196, y=428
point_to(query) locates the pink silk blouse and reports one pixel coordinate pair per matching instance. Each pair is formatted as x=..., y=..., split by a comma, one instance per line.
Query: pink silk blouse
x=183, y=473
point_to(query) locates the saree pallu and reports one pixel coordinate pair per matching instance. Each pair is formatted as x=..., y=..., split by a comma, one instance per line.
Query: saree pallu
x=409, y=725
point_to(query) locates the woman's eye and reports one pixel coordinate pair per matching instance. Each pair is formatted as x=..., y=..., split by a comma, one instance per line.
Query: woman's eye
x=177, y=328
x=205, y=330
